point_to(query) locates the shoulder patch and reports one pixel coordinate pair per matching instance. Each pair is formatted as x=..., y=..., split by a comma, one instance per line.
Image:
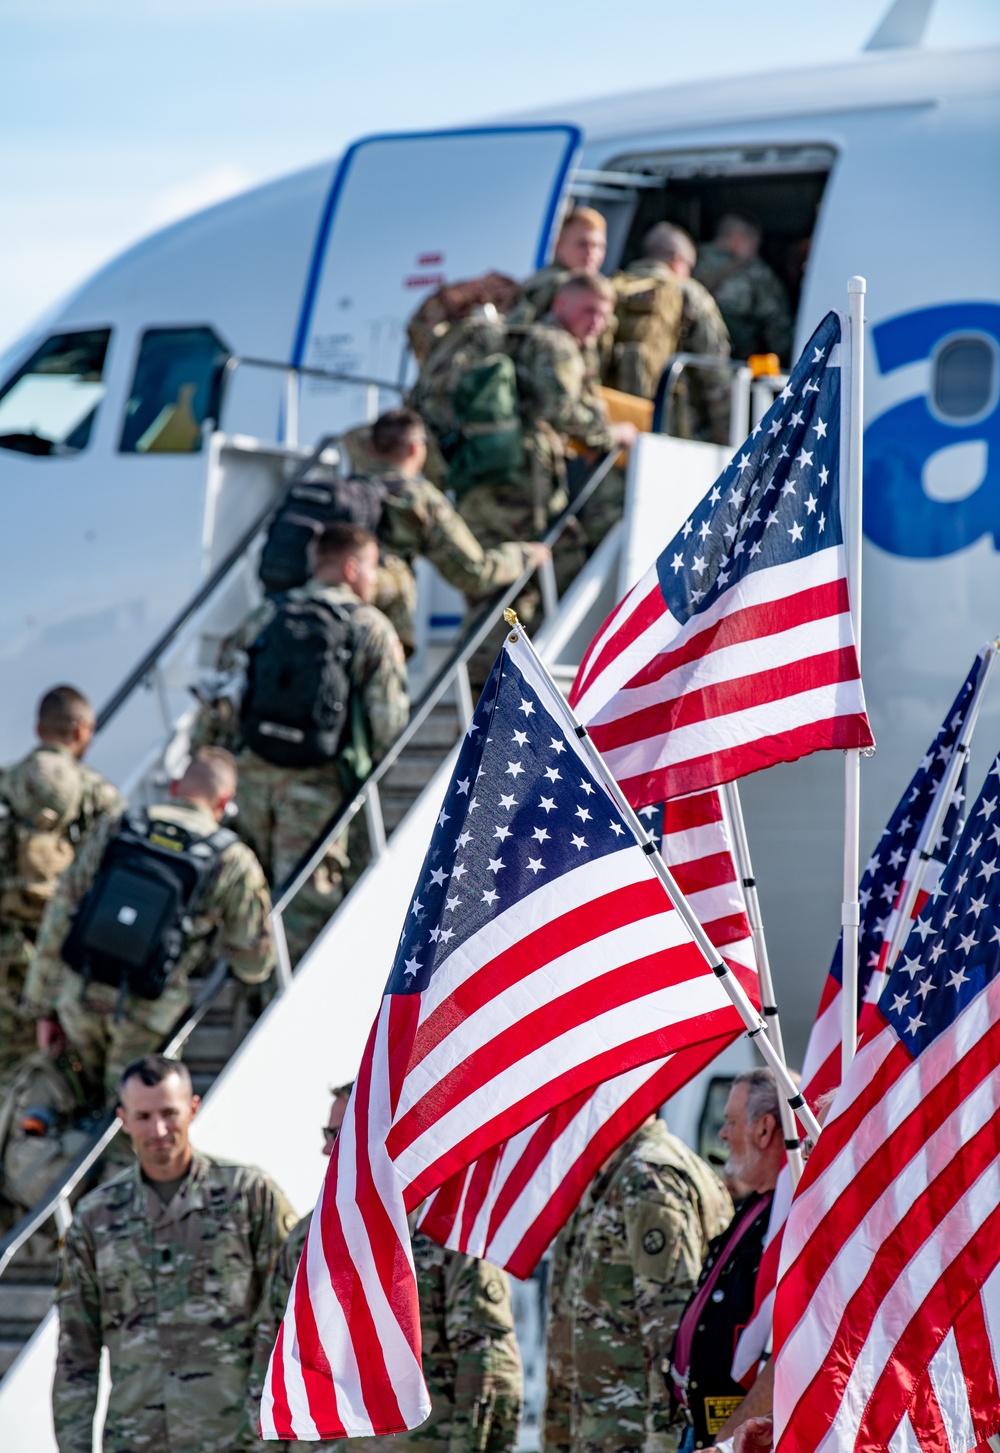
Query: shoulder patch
x=493, y=1291
x=653, y=1241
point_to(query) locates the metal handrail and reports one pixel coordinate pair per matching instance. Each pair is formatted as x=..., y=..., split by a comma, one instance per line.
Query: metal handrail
x=747, y=390
x=207, y=588
x=294, y=373
x=454, y=667
x=58, y=1193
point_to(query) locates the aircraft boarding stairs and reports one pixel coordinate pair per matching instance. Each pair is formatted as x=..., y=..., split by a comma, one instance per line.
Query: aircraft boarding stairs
x=269, y=1076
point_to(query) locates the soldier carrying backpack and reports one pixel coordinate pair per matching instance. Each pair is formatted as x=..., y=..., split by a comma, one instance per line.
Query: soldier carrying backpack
x=48, y=801
x=323, y=695
x=151, y=900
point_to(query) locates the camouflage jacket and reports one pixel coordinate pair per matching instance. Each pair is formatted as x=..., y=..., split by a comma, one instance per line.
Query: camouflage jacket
x=470, y=1357
x=623, y=1269
x=751, y=299
x=558, y=385
x=537, y=293
x=232, y=920
x=377, y=671
x=170, y=1291
x=702, y=398
x=48, y=801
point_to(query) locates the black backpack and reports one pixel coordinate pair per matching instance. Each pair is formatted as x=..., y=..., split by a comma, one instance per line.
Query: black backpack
x=305, y=511
x=133, y=924
x=295, y=708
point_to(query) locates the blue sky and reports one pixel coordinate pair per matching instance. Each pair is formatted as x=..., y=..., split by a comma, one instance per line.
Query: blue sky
x=116, y=118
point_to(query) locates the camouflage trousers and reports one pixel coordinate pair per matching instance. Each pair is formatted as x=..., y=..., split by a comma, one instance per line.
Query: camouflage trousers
x=107, y=1031
x=282, y=811
x=17, y=1030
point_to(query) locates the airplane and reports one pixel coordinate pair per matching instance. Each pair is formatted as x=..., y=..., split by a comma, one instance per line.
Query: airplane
x=233, y=337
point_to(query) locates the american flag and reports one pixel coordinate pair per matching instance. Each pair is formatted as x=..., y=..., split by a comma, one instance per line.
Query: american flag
x=896, y=860
x=508, y=1205
x=736, y=649
x=540, y=957
x=887, y=1312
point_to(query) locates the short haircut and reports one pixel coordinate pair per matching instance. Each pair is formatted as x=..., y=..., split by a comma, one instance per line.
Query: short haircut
x=394, y=432
x=340, y=541
x=61, y=708
x=737, y=222
x=588, y=282
x=153, y=1069
x=212, y=771
x=664, y=242
x=342, y=1092
x=762, y=1092
x=584, y=217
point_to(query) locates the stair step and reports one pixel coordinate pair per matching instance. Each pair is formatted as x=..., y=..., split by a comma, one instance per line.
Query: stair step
x=24, y=1302
x=413, y=770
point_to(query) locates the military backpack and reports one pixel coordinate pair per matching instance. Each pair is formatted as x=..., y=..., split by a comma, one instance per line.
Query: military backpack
x=33, y=856
x=135, y=921
x=467, y=396
x=306, y=510
x=648, y=315
x=45, y=1122
x=296, y=706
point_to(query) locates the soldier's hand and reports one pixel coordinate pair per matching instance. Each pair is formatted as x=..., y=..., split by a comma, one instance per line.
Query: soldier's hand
x=756, y=1435
x=625, y=433
x=49, y=1037
x=537, y=553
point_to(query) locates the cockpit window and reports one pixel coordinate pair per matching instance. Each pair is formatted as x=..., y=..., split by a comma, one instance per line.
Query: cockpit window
x=50, y=404
x=175, y=389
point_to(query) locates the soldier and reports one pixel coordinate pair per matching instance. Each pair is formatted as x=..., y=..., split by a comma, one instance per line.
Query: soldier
x=724, y=1299
x=417, y=519
x=582, y=244
x=559, y=402
x=750, y=296
x=622, y=1270
x=700, y=405
x=470, y=1357
x=283, y=807
x=164, y=1266
x=107, y=1022
x=48, y=801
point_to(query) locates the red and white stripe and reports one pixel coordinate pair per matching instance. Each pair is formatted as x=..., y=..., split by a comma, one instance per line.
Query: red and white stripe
x=509, y=1204
x=768, y=673
x=580, y=982
x=893, y=1238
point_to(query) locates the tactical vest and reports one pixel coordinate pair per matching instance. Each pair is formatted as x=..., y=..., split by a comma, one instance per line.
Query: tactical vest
x=648, y=312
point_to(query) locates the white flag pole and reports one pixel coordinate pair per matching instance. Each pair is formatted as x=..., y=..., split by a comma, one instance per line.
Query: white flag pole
x=755, y=1026
x=935, y=823
x=850, y=910
x=733, y=808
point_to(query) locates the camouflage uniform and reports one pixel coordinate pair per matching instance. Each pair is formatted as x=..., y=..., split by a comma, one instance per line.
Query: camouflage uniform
x=53, y=793
x=282, y=810
x=232, y=921
x=471, y=1362
x=538, y=292
x=417, y=519
x=622, y=1271
x=170, y=1291
x=751, y=299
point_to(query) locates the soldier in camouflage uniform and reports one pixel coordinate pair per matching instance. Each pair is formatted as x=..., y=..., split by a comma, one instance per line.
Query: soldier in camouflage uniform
x=700, y=405
x=48, y=801
x=231, y=920
x=622, y=1270
x=282, y=810
x=164, y=1265
x=417, y=519
x=582, y=244
x=750, y=295
x=470, y=1358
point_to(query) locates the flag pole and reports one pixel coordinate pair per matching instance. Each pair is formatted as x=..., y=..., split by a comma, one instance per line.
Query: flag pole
x=935, y=822
x=755, y=1026
x=850, y=909
x=733, y=808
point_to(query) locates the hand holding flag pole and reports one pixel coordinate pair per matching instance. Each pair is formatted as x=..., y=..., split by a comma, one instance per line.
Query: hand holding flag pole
x=755, y=1026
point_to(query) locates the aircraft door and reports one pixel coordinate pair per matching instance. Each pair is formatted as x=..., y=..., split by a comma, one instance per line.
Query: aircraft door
x=404, y=215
